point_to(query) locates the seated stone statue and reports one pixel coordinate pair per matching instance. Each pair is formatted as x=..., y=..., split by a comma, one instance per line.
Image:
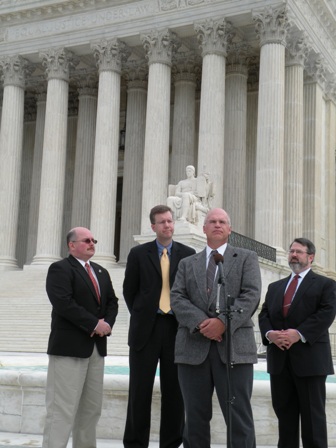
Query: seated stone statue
x=191, y=196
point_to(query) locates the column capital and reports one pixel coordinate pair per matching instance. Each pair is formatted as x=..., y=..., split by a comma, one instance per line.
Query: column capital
x=271, y=25
x=330, y=89
x=14, y=70
x=186, y=67
x=315, y=70
x=56, y=62
x=296, y=49
x=136, y=73
x=110, y=54
x=159, y=45
x=238, y=58
x=87, y=85
x=214, y=35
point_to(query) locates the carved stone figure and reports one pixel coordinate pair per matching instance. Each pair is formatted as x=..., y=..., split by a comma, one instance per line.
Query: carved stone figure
x=191, y=198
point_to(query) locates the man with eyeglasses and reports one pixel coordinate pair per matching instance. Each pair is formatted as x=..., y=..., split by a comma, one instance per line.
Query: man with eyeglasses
x=294, y=322
x=152, y=334
x=84, y=309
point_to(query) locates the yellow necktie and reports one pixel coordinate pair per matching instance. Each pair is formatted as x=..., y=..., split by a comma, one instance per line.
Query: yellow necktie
x=165, y=292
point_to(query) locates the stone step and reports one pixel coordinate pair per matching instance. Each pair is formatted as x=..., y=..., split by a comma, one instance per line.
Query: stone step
x=25, y=312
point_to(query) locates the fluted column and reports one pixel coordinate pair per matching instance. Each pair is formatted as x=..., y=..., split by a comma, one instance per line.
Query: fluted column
x=133, y=160
x=41, y=98
x=183, y=141
x=109, y=56
x=85, y=140
x=312, y=154
x=235, y=135
x=330, y=199
x=213, y=36
x=69, y=167
x=26, y=179
x=158, y=45
x=49, y=233
x=293, y=144
x=271, y=27
x=251, y=145
x=11, y=138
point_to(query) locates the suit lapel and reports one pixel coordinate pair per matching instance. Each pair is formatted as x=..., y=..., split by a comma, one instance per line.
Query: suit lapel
x=153, y=256
x=199, y=267
x=82, y=272
x=304, y=285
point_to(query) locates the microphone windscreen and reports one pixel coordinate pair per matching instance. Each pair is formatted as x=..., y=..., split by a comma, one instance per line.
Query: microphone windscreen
x=218, y=258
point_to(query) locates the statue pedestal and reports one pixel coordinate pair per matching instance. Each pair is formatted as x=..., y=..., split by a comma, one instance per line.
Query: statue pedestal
x=184, y=233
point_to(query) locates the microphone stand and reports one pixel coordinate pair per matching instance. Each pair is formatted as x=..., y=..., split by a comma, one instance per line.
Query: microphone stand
x=228, y=313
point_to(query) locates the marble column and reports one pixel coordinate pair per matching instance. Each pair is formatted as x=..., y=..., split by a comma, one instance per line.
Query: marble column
x=330, y=199
x=271, y=27
x=133, y=160
x=50, y=217
x=213, y=36
x=41, y=98
x=29, y=128
x=109, y=56
x=85, y=140
x=183, y=141
x=251, y=145
x=69, y=167
x=293, y=144
x=313, y=155
x=158, y=45
x=11, y=139
x=235, y=136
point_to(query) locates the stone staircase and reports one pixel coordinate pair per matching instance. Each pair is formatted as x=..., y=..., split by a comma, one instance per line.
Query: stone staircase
x=25, y=312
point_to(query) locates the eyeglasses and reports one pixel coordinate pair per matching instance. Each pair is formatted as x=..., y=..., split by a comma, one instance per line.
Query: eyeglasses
x=299, y=252
x=87, y=241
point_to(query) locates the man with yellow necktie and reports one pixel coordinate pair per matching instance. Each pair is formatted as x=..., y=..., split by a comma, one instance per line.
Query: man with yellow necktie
x=150, y=272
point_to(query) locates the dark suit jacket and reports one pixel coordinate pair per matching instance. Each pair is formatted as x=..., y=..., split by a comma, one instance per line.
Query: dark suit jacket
x=142, y=287
x=311, y=313
x=75, y=308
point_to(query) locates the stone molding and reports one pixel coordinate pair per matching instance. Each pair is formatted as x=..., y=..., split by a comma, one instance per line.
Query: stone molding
x=110, y=54
x=214, y=35
x=271, y=25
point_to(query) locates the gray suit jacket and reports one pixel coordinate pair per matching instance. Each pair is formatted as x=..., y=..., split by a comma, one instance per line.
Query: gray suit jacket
x=191, y=306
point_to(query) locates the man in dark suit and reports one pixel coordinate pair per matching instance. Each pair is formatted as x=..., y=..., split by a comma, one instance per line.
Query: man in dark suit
x=294, y=322
x=200, y=348
x=84, y=309
x=152, y=335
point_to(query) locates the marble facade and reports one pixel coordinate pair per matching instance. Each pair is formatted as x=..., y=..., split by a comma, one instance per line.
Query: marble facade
x=105, y=103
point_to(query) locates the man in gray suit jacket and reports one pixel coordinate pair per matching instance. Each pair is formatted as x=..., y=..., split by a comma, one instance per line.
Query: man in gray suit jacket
x=200, y=349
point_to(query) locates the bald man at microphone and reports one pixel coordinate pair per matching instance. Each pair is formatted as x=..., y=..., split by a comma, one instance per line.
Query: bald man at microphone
x=200, y=351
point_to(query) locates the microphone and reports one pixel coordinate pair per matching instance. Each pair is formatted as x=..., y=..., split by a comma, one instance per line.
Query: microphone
x=219, y=262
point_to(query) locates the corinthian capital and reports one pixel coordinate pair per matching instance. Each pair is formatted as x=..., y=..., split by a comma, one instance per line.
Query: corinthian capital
x=315, y=70
x=296, y=49
x=14, y=70
x=214, y=36
x=271, y=25
x=110, y=54
x=159, y=45
x=57, y=63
